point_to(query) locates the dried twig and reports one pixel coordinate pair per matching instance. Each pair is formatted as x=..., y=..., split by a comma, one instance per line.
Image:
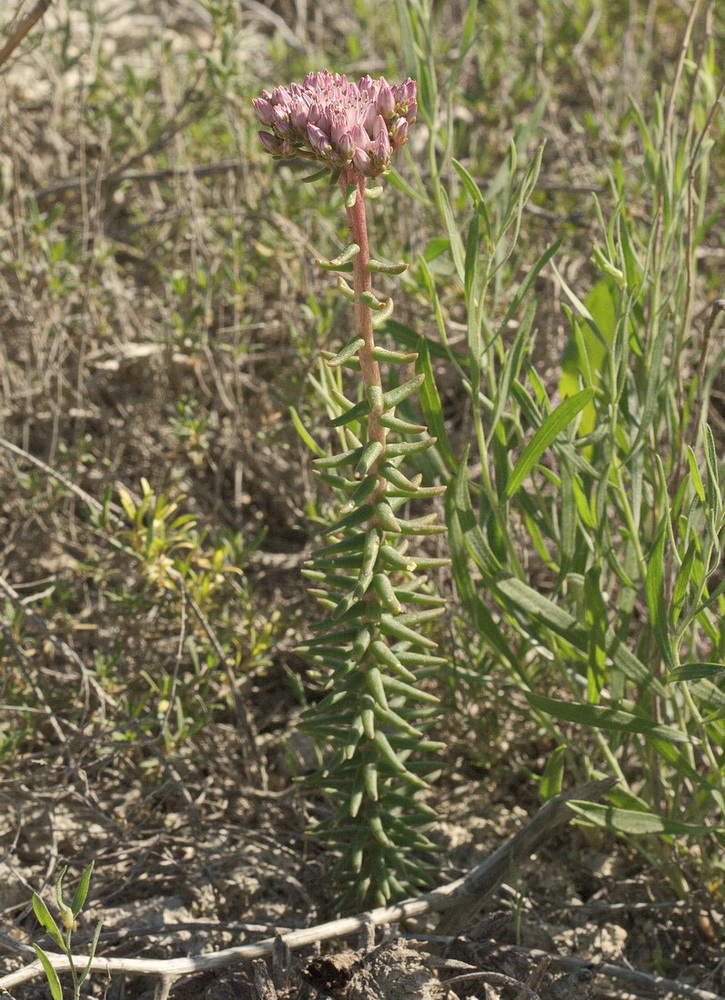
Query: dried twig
x=114, y=511
x=461, y=893
x=87, y=680
x=473, y=889
x=28, y=22
x=251, y=756
x=642, y=982
x=271, y=17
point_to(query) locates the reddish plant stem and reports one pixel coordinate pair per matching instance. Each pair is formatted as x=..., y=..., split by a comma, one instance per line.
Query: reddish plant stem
x=362, y=282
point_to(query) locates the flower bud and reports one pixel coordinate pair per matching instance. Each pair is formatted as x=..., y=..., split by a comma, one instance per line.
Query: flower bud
x=299, y=115
x=264, y=110
x=382, y=148
x=385, y=102
x=346, y=146
x=271, y=143
x=399, y=132
x=319, y=141
x=362, y=162
x=378, y=126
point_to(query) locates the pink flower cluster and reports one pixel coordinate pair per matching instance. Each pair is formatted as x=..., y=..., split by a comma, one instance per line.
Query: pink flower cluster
x=351, y=127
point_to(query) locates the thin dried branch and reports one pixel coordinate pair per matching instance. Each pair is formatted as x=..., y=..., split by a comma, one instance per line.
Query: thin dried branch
x=28, y=22
x=471, y=891
x=114, y=511
x=87, y=680
x=464, y=892
x=249, y=743
x=640, y=983
x=54, y=191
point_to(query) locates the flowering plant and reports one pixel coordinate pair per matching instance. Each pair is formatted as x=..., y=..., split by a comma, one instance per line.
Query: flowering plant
x=353, y=128
x=370, y=651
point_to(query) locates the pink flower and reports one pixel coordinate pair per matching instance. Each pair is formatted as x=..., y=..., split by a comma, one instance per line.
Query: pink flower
x=353, y=128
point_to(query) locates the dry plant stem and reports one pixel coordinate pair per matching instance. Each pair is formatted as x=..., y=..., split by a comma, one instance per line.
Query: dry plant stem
x=114, y=510
x=249, y=748
x=28, y=22
x=87, y=681
x=639, y=983
x=466, y=892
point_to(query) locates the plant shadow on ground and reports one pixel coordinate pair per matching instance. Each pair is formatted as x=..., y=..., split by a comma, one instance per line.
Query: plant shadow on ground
x=158, y=323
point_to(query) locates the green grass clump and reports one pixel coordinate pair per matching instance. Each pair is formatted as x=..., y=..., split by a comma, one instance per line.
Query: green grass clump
x=586, y=519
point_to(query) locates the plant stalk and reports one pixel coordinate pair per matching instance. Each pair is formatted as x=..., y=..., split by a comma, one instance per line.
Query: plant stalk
x=363, y=317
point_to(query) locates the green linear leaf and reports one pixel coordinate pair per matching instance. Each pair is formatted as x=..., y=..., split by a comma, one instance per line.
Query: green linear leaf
x=554, y=424
x=526, y=284
x=46, y=921
x=397, y=181
x=533, y=603
x=551, y=780
x=654, y=589
x=82, y=891
x=695, y=672
x=403, y=334
x=457, y=250
x=632, y=821
x=615, y=719
x=51, y=975
x=430, y=403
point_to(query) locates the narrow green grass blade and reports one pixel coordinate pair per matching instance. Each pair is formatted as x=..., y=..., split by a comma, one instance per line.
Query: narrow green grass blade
x=654, y=589
x=468, y=182
x=303, y=433
x=430, y=403
x=397, y=181
x=468, y=588
x=554, y=424
x=403, y=334
x=458, y=252
x=632, y=821
x=523, y=288
x=614, y=719
x=695, y=672
x=676, y=756
x=553, y=776
x=526, y=599
x=512, y=365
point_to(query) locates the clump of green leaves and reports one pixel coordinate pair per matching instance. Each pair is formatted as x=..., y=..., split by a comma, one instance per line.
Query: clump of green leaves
x=587, y=532
x=374, y=657
x=62, y=935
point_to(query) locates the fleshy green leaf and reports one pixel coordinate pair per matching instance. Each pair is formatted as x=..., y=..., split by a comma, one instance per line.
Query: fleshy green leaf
x=303, y=433
x=401, y=392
